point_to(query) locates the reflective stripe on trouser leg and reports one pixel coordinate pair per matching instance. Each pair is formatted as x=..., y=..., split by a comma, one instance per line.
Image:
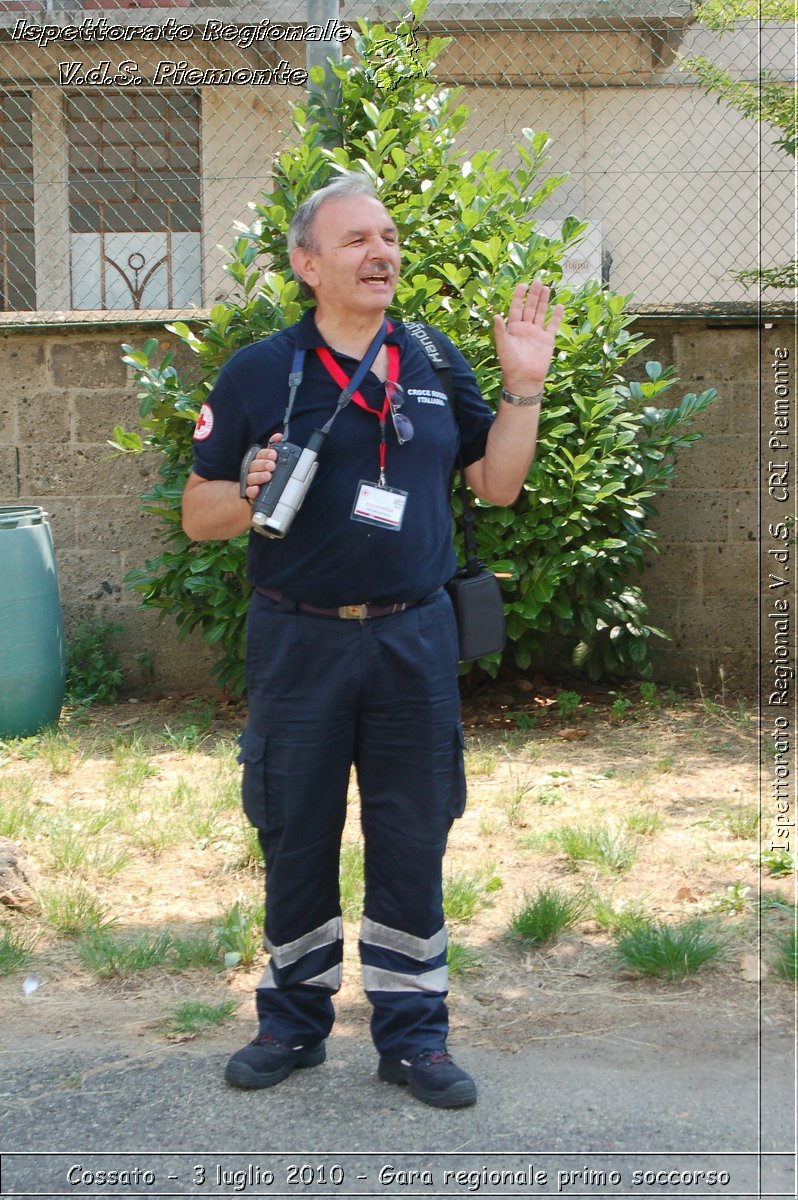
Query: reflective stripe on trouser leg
x=291, y=989
x=313, y=960
x=407, y=988
x=294, y=994
x=406, y=980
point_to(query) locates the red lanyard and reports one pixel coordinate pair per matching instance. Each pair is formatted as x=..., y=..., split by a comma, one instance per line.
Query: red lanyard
x=343, y=381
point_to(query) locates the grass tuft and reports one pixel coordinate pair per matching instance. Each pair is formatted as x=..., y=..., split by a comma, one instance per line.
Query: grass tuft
x=16, y=951
x=112, y=958
x=541, y=918
x=202, y=819
x=672, y=951
x=462, y=960
x=466, y=892
x=786, y=961
x=75, y=845
x=198, y=952
x=185, y=738
x=512, y=799
x=53, y=747
x=17, y=811
x=619, y=920
x=192, y=1017
x=108, y=957
x=154, y=830
x=644, y=822
x=131, y=768
x=741, y=820
x=599, y=844
x=73, y=910
x=480, y=760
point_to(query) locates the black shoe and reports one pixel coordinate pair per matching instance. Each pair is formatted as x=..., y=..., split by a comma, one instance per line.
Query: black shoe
x=433, y=1078
x=265, y=1061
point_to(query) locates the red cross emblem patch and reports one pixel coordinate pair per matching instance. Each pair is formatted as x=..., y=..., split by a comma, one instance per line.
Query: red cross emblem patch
x=204, y=426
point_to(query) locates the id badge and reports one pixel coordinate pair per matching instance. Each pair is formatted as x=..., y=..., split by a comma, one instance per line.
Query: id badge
x=382, y=506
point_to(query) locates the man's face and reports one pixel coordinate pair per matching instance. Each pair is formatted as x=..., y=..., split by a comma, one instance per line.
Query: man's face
x=354, y=263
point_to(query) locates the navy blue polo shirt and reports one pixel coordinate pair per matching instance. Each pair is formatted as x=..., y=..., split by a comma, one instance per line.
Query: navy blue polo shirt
x=326, y=558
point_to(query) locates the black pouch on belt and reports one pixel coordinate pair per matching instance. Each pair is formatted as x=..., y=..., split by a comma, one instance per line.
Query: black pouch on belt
x=477, y=601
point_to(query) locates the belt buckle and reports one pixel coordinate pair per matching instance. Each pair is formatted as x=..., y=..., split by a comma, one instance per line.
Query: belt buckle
x=353, y=612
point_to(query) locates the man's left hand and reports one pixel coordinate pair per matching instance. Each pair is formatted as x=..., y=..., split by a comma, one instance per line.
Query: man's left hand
x=525, y=342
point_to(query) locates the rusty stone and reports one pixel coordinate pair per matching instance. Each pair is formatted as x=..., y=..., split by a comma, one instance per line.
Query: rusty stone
x=17, y=877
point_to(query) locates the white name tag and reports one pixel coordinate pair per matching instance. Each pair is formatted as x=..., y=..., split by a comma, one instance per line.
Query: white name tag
x=383, y=506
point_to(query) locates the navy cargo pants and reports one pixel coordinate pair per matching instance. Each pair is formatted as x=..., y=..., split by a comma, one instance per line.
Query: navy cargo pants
x=381, y=694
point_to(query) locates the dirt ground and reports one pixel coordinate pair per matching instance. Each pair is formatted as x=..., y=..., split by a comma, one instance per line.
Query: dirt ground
x=682, y=770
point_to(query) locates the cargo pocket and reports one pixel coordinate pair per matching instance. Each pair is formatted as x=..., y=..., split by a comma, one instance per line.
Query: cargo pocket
x=260, y=805
x=458, y=793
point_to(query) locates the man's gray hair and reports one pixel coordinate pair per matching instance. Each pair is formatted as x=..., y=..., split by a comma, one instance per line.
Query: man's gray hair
x=300, y=231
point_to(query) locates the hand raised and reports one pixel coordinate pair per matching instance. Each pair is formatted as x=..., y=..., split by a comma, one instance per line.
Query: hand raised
x=525, y=342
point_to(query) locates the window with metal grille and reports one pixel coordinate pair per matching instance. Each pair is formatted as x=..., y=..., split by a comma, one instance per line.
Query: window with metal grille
x=134, y=199
x=17, y=258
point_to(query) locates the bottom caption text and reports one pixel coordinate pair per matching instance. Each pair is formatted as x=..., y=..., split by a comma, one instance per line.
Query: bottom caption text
x=386, y=1175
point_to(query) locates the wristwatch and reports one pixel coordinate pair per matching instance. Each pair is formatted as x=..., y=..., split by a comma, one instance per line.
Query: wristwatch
x=522, y=401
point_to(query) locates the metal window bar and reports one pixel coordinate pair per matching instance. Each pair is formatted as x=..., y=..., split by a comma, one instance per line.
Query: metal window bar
x=4, y=263
x=16, y=199
x=136, y=285
x=113, y=166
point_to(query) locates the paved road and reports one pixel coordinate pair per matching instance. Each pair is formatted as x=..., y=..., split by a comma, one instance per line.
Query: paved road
x=573, y=1116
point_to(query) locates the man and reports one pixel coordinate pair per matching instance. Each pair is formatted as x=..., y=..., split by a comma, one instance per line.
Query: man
x=351, y=638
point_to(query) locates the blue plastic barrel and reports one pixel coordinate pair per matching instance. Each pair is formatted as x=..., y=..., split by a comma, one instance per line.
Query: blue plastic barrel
x=31, y=624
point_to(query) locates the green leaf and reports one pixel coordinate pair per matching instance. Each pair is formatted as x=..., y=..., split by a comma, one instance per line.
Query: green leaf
x=125, y=442
x=572, y=227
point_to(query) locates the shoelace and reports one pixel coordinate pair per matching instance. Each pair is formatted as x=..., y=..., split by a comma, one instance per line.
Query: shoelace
x=434, y=1058
x=266, y=1039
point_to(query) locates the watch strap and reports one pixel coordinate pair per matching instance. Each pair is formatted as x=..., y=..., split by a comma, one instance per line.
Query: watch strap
x=522, y=401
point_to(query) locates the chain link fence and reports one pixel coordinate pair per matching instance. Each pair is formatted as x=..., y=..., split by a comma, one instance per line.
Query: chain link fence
x=134, y=135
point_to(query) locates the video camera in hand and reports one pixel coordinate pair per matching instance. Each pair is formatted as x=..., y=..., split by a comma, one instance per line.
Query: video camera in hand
x=279, y=501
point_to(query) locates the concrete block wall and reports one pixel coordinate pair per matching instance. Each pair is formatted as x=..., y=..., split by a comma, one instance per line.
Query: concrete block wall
x=64, y=390
x=702, y=587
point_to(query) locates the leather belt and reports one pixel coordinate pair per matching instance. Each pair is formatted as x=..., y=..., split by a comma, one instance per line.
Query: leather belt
x=347, y=612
